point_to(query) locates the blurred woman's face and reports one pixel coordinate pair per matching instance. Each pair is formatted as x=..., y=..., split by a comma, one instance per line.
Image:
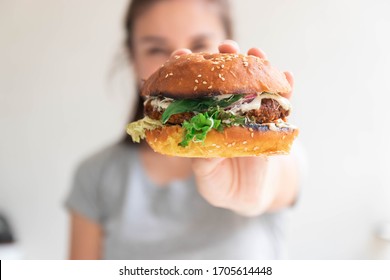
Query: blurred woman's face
x=174, y=24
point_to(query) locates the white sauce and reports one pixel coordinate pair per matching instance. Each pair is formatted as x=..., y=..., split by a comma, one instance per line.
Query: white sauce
x=256, y=103
x=223, y=96
x=161, y=104
x=272, y=127
x=279, y=124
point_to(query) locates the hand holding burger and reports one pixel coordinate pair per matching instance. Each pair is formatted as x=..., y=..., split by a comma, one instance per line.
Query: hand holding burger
x=249, y=186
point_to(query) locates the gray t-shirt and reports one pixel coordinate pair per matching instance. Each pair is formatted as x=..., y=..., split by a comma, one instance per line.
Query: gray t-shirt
x=143, y=221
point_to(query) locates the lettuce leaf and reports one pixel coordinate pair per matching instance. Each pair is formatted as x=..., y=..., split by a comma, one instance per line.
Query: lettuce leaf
x=137, y=129
x=197, y=128
x=197, y=105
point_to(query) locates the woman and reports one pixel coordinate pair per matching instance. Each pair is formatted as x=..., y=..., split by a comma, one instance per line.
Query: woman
x=131, y=203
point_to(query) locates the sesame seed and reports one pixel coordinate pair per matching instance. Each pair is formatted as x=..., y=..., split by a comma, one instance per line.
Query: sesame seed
x=234, y=143
x=252, y=134
x=218, y=147
x=195, y=87
x=166, y=76
x=222, y=66
x=229, y=145
x=196, y=81
x=212, y=69
x=199, y=76
x=171, y=74
x=246, y=64
x=250, y=129
x=210, y=87
x=244, y=143
x=204, y=82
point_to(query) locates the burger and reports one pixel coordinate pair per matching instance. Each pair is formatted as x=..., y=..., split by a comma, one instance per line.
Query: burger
x=216, y=105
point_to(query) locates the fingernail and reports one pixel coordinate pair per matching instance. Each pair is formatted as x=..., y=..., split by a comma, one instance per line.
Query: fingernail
x=180, y=52
x=291, y=74
x=231, y=42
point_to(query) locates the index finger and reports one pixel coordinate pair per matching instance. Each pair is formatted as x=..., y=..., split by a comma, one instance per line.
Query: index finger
x=229, y=46
x=257, y=52
x=181, y=52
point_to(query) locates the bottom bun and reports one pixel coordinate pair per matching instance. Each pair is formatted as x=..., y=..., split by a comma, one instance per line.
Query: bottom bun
x=231, y=142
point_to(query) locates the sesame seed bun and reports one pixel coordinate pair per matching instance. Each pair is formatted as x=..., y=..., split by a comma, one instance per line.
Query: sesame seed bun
x=201, y=74
x=231, y=142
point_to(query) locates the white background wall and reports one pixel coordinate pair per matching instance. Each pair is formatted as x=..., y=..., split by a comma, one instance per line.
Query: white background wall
x=65, y=92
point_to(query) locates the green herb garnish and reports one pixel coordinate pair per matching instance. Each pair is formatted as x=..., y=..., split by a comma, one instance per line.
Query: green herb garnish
x=198, y=126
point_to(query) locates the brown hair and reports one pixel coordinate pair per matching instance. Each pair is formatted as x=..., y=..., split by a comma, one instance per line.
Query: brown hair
x=137, y=7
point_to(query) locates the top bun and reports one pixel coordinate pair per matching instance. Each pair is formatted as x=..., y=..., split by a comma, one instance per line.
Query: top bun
x=202, y=74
